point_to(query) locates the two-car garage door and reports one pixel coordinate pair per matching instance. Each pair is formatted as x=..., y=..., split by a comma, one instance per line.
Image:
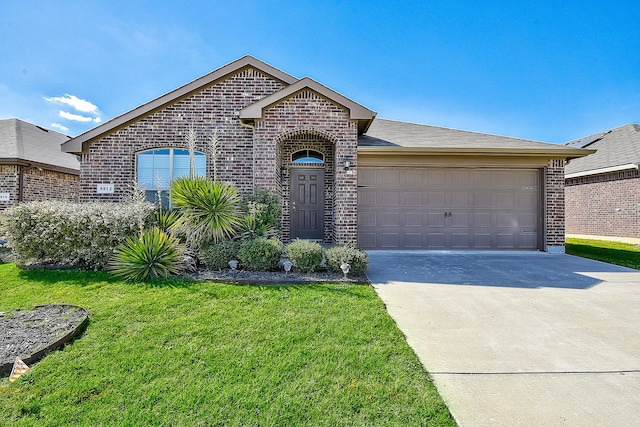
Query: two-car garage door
x=448, y=208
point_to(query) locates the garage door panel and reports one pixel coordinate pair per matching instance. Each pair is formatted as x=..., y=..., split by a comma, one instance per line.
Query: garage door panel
x=413, y=219
x=435, y=199
x=436, y=241
x=435, y=219
x=366, y=198
x=411, y=198
x=481, y=219
x=448, y=208
x=413, y=240
x=388, y=219
x=389, y=240
x=482, y=241
x=460, y=219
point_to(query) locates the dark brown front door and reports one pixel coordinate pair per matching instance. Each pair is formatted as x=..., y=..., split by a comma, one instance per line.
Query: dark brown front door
x=307, y=203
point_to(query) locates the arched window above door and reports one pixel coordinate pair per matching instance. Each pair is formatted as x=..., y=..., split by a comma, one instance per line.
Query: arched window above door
x=307, y=156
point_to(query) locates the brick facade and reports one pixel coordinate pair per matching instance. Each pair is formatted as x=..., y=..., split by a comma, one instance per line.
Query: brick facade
x=248, y=156
x=554, y=206
x=604, y=205
x=30, y=184
x=112, y=159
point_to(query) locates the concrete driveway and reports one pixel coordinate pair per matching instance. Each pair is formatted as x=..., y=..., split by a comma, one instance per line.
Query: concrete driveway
x=520, y=338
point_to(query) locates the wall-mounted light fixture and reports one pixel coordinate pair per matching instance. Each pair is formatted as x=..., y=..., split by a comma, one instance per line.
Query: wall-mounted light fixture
x=347, y=162
x=283, y=171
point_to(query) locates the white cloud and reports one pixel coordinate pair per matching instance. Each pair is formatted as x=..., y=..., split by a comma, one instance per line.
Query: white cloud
x=77, y=117
x=59, y=126
x=75, y=102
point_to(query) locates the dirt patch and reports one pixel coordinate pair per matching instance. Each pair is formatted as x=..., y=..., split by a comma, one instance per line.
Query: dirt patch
x=31, y=334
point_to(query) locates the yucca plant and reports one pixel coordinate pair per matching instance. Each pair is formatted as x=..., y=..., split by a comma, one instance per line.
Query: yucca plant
x=208, y=209
x=164, y=218
x=155, y=254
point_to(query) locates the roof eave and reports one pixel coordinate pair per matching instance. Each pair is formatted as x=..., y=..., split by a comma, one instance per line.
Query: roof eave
x=559, y=153
x=27, y=163
x=78, y=144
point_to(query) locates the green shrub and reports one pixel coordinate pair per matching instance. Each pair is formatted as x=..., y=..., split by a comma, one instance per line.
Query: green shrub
x=305, y=255
x=208, y=210
x=65, y=233
x=260, y=254
x=154, y=255
x=218, y=255
x=355, y=257
x=262, y=212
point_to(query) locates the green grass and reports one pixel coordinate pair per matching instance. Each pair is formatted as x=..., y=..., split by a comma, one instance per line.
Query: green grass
x=624, y=254
x=201, y=354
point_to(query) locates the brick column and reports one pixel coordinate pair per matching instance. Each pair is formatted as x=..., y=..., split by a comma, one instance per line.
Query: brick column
x=554, y=207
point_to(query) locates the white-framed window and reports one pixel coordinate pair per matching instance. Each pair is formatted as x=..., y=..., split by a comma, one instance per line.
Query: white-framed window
x=156, y=169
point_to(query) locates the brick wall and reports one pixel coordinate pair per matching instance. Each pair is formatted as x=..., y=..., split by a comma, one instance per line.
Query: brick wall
x=247, y=157
x=37, y=184
x=554, y=206
x=112, y=159
x=307, y=112
x=9, y=184
x=604, y=205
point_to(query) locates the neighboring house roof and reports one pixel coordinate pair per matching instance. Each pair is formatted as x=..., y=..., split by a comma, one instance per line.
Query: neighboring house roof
x=363, y=115
x=79, y=143
x=27, y=144
x=617, y=149
x=390, y=135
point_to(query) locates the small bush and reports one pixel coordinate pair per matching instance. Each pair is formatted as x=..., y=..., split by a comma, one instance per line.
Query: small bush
x=305, y=255
x=155, y=255
x=262, y=212
x=260, y=254
x=218, y=255
x=65, y=233
x=355, y=257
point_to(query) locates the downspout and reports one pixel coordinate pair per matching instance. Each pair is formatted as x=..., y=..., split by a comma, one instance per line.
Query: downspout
x=20, y=183
x=253, y=160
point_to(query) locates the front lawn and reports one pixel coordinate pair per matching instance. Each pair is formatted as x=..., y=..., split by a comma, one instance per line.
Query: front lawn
x=202, y=354
x=624, y=254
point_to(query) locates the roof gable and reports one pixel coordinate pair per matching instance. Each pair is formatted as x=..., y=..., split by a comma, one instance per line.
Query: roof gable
x=78, y=144
x=25, y=143
x=363, y=115
x=616, y=148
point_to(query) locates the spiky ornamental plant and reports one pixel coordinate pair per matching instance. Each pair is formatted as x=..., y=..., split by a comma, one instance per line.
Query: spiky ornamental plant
x=208, y=209
x=154, y=255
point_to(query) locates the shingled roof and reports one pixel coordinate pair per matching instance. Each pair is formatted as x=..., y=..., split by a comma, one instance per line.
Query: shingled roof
x=403, y=136
x=27, y=144
x=617, y=149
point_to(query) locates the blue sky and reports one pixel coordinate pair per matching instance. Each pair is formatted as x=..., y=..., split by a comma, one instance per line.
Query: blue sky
x=546, y=70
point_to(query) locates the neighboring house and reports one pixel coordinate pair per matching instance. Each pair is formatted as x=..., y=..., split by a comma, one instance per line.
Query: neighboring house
x=32, y=166
x=603, y=189
x=343, y=175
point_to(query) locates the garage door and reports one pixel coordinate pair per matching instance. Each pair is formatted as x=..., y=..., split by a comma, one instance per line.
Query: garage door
x=445, y=208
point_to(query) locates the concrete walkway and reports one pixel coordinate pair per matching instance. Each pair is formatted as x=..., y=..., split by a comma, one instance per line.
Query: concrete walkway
x=520, y=338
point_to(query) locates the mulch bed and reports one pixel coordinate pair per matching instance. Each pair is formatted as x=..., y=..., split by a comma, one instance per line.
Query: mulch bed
x=32, y=333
